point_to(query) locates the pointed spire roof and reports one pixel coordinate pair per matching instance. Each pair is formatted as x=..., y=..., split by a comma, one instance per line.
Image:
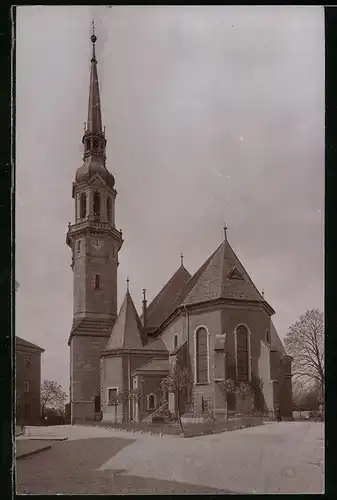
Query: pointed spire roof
x=222, y=276
x=94, y=136
x=127, y=330
x=94, y=123
x=163, y=304
x=275, y=340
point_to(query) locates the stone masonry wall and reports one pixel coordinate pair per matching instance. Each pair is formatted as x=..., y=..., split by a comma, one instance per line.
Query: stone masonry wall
x=85, y=372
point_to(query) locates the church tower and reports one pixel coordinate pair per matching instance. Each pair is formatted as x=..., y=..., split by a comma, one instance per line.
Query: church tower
x=95, y=243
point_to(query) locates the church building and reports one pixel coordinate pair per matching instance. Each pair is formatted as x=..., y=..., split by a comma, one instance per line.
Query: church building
x=215, y=322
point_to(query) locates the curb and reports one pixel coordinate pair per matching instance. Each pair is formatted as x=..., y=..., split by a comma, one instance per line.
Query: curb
x=47, y=438
x=34, y=452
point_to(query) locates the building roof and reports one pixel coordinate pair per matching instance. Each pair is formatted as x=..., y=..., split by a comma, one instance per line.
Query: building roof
x=24, y=343
x=155, y=364
x=155, y=345
x=177, y=349
x=222, y=276
x=275, y=340
x=164, y=303
x=127, y=330
x=94, y=162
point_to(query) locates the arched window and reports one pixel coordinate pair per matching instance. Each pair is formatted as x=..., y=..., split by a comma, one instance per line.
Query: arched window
x=78, y=246
x=267, y=336
x=242, y=353
x=201, y=356
x=175, y=342
x=83, y=205
x=97, y=204
x=109, y=209
x=88, y=145
x=97, y=281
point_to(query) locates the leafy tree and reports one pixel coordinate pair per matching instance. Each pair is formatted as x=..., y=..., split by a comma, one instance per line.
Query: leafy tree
x=242, y=389
x=52, y=396
x=227, y=387
x=305, y=343
x=177, y=382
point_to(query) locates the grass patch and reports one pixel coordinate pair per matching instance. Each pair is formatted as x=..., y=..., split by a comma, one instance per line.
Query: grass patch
x=190, y=429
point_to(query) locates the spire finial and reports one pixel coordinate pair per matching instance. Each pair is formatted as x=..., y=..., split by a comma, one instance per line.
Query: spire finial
x=144, y=294
x=93, y=39
x=225, y=231
x=127, y=284
x=181, y=259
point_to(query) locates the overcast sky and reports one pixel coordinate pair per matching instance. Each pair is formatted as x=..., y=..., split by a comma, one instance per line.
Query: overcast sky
x=212, y=114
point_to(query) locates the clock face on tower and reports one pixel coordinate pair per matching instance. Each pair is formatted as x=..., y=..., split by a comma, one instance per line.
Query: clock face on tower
x=97, y=245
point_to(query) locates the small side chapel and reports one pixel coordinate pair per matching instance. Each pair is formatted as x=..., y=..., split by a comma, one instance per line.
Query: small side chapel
x=215, y=322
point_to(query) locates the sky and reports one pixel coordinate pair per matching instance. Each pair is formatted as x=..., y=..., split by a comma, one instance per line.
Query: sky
x=213, y=114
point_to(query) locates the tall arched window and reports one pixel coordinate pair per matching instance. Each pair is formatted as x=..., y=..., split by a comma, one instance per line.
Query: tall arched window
x=97, y=204
x=109, y=209
x=242, y=353
x=175, y=342
x=201, y=356
x=267, y=336
x=83, y=205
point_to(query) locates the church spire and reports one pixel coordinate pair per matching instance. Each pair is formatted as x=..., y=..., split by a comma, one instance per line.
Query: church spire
x=94, y=136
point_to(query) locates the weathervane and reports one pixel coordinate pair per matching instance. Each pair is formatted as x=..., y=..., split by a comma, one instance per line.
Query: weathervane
x=127, y=283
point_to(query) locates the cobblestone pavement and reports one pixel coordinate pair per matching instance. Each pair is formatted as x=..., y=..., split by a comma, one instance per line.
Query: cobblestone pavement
x=71, y=467
x=284, y=457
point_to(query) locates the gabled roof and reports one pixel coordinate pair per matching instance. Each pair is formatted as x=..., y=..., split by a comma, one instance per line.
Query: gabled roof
x=24, y=343
x=190, y=284
x=155, y=364
x=127, y=330
x=163, y=304
x=222, y=276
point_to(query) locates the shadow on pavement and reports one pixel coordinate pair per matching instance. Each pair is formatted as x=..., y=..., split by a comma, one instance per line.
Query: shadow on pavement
x=70, y=467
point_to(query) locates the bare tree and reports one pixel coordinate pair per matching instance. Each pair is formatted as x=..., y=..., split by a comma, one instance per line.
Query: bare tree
x=305, y=343
x=133, y=395
x=177, y=382
x=52, y=396
x=116, y=400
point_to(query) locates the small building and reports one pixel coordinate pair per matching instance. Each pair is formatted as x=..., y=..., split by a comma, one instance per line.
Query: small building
x=27, y=381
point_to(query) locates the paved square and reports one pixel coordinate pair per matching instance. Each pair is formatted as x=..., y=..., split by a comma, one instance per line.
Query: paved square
x=273, y=458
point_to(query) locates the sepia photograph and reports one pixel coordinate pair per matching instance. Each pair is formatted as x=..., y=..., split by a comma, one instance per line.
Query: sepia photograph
x=169, y=249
